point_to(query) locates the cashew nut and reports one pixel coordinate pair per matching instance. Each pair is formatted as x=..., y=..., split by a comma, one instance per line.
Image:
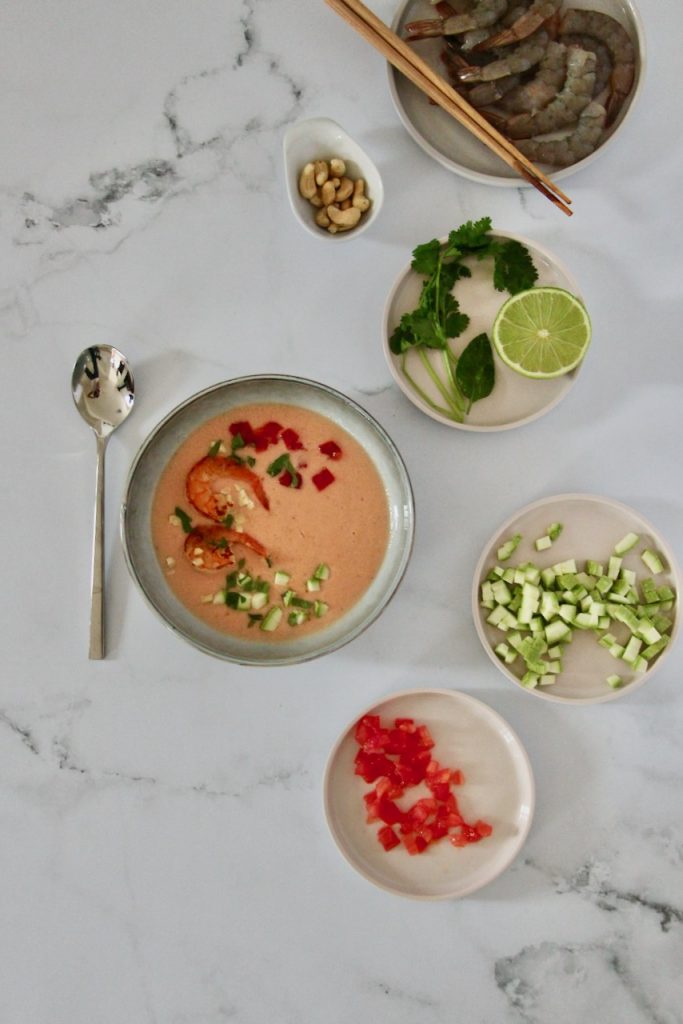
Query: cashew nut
x=316, y=201
x=344, y=219
x=360, y=200
x=345, y=205
x=321, y=172
x=327, y=193
x=307, y=181
x=337, y=167
x=345, y=190
x=321, y=219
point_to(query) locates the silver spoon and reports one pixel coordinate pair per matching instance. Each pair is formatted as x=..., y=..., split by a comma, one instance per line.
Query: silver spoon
x=103, y=390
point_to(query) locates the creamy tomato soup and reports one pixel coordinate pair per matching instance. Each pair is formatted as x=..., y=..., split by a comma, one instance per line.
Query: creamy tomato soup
x=270, y=521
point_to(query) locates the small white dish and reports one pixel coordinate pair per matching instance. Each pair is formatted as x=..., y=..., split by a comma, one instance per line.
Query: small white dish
x=452, y=145
x=515, y=400
x=320, y=138
x=498, y=788
x=592, y=525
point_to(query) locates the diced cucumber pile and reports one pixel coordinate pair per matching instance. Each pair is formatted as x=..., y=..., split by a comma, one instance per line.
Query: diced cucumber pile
x=539, y=610
x=246, y=593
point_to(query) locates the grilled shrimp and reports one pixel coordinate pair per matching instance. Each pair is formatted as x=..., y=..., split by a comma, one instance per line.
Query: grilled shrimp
x=518, y=59
x=567, y=105
x=529, y=21
x=617, y=40
x=579, y=144
x=483, y=14
x=543, y=87
x=603, y=66
x=209, y=547
x=211, y=481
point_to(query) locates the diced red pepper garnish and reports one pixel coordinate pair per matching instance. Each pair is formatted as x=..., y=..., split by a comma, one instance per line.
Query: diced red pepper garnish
x=395, y=759
x=388, y=838
x=285, y=479
x=331, y=449
x=323, y=479
x=292, y=440
x=259, y=438
x=245, y=431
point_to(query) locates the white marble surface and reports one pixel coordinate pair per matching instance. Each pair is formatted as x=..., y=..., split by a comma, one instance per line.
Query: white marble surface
x=164, y=858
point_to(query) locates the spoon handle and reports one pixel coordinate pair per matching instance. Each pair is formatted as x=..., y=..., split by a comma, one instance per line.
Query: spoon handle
x=96, y=651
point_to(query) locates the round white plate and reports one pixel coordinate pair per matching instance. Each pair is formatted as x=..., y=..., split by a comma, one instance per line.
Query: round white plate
x=498, y=788
x=515, y=400
x=592, y=525
x=136, y=511
x=452, y=145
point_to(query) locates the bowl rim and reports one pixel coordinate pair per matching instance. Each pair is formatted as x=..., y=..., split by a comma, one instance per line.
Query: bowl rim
x=467, y=698
x=504, y=182
x=404, y=561
x=296, y=130
x=475, y=428
x=602, y=499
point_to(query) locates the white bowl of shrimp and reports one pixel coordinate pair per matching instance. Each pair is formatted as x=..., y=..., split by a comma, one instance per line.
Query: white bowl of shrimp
x=559, y=77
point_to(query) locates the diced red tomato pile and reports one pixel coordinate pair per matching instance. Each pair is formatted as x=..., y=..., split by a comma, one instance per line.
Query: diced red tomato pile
x=396, y=759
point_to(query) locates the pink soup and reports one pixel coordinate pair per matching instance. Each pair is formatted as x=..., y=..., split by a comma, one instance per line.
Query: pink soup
x=324, y=532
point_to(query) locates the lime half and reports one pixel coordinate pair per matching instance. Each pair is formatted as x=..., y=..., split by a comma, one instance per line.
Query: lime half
x=543, y=332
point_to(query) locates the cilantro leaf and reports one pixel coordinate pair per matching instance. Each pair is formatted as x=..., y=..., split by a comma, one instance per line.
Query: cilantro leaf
x=514, y=270
x=426, y=257
x=471, y=236
x=185, y=520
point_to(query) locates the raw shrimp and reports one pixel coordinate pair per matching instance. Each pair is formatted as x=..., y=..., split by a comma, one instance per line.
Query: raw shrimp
x=574, y=147
x=488, y=93
x=567, y=105
x=472, y=40
x=528, y=22
x=209, y=547
x=211, y=482
x=617, y=40
x=543, y=87
x=484, y=13
x=603, y=66
x=518, y=59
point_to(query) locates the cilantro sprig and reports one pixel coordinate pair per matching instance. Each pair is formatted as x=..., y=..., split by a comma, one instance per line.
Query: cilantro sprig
x=438, y=318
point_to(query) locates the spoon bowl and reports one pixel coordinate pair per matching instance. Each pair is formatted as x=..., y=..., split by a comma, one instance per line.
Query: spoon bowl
x=103, y=392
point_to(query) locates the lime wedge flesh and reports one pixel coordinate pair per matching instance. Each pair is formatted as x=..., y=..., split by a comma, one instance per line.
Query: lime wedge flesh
x=543, y=332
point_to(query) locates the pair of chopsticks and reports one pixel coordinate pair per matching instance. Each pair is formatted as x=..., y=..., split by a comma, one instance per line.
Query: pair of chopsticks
x=410, y=64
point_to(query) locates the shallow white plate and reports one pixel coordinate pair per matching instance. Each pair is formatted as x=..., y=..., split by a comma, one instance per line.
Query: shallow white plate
x=515, y=400
x=163, y=442
x=321, y=138
x=592, y=526
x=455, y=147
x=499, y=788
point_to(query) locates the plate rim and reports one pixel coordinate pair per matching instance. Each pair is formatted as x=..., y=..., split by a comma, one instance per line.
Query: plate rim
x=474, y=428
x=457, y=695
x=476, y=611
x=294, y=659
x=494, y=180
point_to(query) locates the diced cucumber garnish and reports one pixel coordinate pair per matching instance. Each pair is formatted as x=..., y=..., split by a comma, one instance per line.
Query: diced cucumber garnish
x=652, y=561
x=626, y=543
x=321, y=572
x=312, y=585
x=271, y=619
x=614, y=681
x=281, y=578
x=554, y=530
x=543, y=543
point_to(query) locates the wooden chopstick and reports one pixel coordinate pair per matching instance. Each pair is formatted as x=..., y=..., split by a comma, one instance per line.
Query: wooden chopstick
x=410, y=64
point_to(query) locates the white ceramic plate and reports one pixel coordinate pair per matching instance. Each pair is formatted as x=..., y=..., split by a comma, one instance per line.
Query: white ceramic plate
x=320, y=138
x=515, y=400
x=455, y=147
x=163, y=442
x=498, y=788
x=592, y=526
